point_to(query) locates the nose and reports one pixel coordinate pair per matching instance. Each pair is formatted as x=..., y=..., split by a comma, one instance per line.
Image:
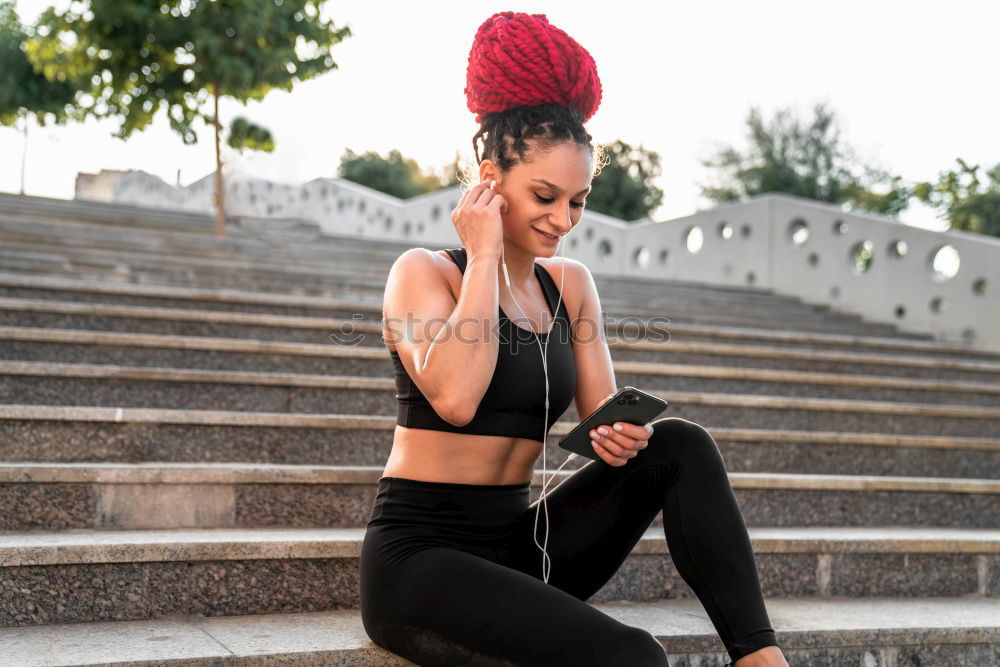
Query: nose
x=563, y=222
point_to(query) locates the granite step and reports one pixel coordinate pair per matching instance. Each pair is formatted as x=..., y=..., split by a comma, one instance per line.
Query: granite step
x=46, y=382
x=49, y=237
x=57, y=496
x=681, y=313
x=55, y=287
x=362, y=322
x=813, y=632
x=764, y=316
x=220, y=353
x=131, y=435
x=78, y=576
x=43, y=383
x=280, y=265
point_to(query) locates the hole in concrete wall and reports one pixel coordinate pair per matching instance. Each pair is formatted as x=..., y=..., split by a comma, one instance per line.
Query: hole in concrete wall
x=944, y=262
x=589, y=234
x=604, y=249
x=968, y=333
x=861, y=256
x=897, y=249
x=745, y=231
x=435, y=212
x=813, y=259
x=751, y=277
x=725, y=231
x=839, y=227
x=834, y=292
x=640, y=257
x=899, y=310
x=798, y=231
x=980, y=287
x=664, y=253
x=937, y=304
x=694, y=239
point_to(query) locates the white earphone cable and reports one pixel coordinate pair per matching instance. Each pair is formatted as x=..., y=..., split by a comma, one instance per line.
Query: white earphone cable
x=546, y=562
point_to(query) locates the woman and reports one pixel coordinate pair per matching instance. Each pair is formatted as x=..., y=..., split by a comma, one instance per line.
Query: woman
x=450, y=571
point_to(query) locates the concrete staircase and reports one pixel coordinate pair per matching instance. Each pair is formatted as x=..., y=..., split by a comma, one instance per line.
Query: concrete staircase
x=191, y=432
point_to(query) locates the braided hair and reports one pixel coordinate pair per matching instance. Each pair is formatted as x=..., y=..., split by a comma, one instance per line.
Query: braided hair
x=529, y=80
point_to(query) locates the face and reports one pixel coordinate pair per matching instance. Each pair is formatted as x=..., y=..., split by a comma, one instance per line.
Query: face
x=546, y=194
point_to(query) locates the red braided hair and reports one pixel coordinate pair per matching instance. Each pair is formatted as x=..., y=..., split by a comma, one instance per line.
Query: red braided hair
x=522, y=59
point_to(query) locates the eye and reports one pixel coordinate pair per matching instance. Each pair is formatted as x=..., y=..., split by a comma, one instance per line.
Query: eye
x=574, y=204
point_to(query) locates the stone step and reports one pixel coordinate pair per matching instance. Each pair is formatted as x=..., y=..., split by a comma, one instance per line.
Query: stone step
x=47, y=381
x=281, y=264
x=248, y=278
x=764, y=315
x=126, y=435
x=764, y=318
x=43, y=383
x=80, y=576
x=48, y=236
x=220, y=353
x=44, y=286
x=360, y=324
x=648, y=291
x=57, y=496
x=875, y=631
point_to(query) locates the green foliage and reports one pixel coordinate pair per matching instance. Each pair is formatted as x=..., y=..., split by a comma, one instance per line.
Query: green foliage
x=135, y=56
x=24, y=91
x=245, y=135
x=808, y=161
x=623, y=189
x=962, y=197
x=394, y=175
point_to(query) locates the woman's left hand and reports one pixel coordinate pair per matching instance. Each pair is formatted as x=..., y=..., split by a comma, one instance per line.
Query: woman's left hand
x=617, y=443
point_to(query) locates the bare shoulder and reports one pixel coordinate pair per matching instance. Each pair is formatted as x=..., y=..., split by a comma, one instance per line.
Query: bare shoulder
x=575, y=284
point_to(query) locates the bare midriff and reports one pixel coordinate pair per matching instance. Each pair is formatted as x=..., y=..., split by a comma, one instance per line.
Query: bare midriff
x=460, y=458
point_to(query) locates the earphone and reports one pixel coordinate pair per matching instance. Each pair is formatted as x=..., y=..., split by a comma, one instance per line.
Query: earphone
x=546, y=562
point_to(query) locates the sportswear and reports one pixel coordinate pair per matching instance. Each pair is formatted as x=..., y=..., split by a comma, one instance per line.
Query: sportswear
x=514, y=402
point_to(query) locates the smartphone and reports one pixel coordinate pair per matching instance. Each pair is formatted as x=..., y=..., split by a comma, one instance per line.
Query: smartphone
x=629, y=404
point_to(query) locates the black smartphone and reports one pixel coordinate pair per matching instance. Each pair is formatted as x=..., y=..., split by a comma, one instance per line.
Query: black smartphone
x=629, y=404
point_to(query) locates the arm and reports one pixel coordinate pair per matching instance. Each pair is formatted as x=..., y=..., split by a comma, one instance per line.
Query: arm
x=445, y=346
x=595, y=373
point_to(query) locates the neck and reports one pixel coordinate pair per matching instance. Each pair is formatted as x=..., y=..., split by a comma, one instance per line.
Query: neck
x=520, y=266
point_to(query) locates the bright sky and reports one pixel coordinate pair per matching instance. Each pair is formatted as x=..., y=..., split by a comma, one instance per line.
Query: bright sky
x=910, y=81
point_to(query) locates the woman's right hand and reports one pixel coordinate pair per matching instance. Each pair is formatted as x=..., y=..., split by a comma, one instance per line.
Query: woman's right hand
x=477, y=220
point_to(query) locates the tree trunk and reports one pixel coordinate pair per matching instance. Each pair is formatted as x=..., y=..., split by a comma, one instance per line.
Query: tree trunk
x=24, y=153
x=220, y=204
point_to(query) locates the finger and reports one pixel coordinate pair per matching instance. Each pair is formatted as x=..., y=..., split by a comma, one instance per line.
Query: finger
x=607, y=456
x=616, y=437
x=633, y=431
x=612, y=444
x=485, y=196
x=500, y=203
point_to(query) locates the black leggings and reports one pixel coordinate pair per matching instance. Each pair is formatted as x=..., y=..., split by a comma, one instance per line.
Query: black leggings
x=451, y=575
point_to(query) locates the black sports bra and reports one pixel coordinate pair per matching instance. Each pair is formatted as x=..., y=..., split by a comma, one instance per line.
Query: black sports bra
x=514, y=402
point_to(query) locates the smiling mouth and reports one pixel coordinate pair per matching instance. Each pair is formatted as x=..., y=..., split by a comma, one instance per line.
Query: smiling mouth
x=548, y=235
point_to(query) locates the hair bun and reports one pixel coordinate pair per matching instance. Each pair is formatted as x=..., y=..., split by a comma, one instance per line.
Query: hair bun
x=521, y=59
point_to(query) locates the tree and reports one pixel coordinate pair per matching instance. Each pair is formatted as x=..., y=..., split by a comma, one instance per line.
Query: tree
x=23, y=91
x=623, y=186
x=135, y=56
x=394, y=175
x=808, y=161
x=961, y=200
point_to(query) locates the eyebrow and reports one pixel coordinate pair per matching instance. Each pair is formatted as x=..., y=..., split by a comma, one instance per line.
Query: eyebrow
x=556, y=187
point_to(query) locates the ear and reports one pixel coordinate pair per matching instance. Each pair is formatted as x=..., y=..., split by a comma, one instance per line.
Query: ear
x=488, y=172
